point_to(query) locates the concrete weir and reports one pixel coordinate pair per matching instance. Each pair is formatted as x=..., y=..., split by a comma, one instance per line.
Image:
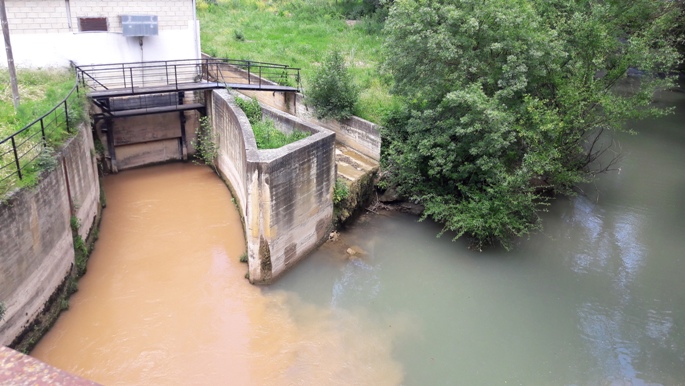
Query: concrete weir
x=285, y=194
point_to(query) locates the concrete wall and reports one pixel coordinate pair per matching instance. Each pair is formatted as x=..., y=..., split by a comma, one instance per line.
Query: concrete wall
x=356, y=133
x=44, y=35
x=285, y=194
x=37, y=247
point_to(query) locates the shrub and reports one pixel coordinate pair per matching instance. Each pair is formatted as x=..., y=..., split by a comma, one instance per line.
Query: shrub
x=332, y=92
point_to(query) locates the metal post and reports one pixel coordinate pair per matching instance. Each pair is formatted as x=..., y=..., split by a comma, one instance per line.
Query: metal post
x=10, y=57
x=248, y=73
x=182, y=118
x=66, y=116
x=42, y=130
x=123, y=72
x=16, y=158
x=166, y=70
x=131, y=72
x=175, y=77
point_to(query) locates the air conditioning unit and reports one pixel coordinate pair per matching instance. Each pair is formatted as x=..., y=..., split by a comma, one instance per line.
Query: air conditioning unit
x=139, y=25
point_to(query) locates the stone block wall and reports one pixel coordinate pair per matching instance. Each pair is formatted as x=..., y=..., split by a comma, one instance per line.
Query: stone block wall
x=50, y=16
x=35, y=234
x=285, y=194
x=37, y=16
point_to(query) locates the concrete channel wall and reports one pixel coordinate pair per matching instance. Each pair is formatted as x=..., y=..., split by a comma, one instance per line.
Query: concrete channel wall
x=35, y=233
x=285, y=194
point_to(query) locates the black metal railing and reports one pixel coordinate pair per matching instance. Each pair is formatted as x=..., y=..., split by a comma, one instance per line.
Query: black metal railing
x=139, y=75
x=19, y=151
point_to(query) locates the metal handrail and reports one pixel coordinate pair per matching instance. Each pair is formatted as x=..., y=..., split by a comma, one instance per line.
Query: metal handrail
x=129, y=76
x=43, y=123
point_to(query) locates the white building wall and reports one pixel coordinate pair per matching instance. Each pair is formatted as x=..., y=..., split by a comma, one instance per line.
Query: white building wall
x=42, y=36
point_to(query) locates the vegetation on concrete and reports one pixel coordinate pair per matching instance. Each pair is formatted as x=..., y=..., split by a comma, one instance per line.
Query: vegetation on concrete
x=503, y=101
x=332, y=92
x=340, y=191
x=81, y=252
x=300, y=33
x=2, y=310
x=265, y=132
x=205, y=144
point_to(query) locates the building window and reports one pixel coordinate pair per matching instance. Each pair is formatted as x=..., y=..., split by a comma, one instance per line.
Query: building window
x=87, y=24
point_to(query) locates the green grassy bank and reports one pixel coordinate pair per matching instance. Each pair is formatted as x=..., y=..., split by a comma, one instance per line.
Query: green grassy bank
x=299, y=33
x=39, y=91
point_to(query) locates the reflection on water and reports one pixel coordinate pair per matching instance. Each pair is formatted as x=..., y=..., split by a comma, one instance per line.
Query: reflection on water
x=598, y=298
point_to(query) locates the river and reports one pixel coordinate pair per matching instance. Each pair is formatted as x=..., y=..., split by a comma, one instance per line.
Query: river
x=597, y=298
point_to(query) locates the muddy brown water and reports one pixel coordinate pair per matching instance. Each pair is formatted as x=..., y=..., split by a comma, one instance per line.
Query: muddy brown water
x=597, y=298
x=165, y=300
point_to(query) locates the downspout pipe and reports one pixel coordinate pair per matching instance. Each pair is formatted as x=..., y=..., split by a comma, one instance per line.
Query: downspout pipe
x=196, y=32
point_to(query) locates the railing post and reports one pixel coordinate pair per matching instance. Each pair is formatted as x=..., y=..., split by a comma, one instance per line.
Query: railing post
x=260, y=76
x=66, y=116
x=42, y=130
x=249, y=81
x=175, y=77
x=123, y=73
x=131, y=72
x=166, y=70
x=16, y=158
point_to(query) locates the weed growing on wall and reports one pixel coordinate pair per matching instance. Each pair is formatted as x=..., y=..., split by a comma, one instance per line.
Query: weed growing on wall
x=80, y=250
x=340, y=191
x=2, y=310
x=265, y=132
x=205, y=144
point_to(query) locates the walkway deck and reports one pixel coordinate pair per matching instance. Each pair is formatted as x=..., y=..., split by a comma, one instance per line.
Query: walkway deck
x=184, y=87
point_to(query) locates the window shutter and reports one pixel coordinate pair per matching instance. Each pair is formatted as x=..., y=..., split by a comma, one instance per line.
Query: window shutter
x=87, y=24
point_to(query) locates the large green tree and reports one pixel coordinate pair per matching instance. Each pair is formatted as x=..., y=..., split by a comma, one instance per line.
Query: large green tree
x=505, y=100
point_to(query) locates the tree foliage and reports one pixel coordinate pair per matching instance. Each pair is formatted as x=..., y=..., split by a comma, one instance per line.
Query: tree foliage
x=333, y=93
x=505, y=99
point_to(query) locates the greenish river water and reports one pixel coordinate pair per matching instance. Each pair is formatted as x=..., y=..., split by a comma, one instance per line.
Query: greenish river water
x=598, y=298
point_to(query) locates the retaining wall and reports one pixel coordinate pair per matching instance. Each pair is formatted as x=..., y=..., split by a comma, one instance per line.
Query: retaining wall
x=37, y=250
x=285, y=194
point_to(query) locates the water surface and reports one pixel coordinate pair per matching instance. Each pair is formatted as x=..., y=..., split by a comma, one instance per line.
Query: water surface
x=598, y=298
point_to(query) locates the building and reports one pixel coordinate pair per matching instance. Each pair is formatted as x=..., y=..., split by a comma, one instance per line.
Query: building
x=50, y=33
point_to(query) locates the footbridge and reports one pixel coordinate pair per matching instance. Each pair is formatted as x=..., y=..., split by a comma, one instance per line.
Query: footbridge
x=126, y=90
x=149, y=80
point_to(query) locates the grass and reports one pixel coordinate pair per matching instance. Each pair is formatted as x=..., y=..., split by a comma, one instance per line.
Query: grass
x=299, y=33
x=269, y=137
x=39, y=91
x=265, y=132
